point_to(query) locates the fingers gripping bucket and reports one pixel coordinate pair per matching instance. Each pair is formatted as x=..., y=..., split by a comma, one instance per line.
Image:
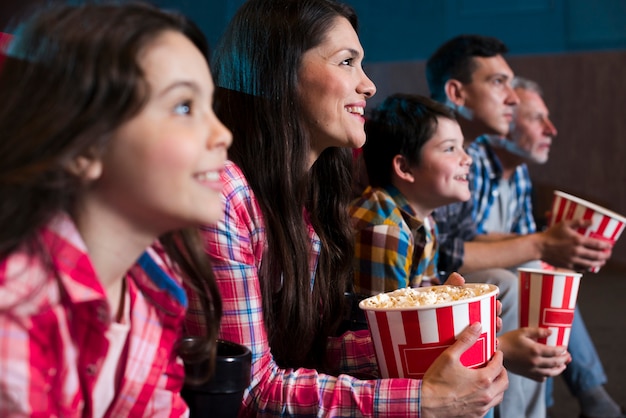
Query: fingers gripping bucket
x=605, y=224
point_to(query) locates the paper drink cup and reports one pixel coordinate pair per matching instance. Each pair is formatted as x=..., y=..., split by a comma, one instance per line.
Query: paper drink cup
x=606, y=225
x=407, y=340
x=547, y=300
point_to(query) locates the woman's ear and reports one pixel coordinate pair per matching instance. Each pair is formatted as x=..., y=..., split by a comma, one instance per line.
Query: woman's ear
x=86, y=166
x=454, y=92
x=402, y=169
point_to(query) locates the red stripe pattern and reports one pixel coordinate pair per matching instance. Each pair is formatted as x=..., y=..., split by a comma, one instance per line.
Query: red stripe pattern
x=407, y=342
x=547, y=300
x=604, y=226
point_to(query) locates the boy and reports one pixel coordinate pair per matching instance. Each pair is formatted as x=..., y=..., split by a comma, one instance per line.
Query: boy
x=415, y=163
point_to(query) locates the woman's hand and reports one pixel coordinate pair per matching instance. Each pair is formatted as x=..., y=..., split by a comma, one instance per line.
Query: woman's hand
x=450, y=389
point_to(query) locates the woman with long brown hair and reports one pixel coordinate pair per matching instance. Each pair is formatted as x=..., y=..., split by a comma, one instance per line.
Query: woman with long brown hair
x=292, y=89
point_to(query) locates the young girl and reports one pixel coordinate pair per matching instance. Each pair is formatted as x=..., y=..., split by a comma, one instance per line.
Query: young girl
x=293, y=90
x=109, y=142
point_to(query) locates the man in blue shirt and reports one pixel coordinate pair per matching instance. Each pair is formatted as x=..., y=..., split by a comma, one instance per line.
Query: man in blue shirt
x=470, y=74
x=501, y=192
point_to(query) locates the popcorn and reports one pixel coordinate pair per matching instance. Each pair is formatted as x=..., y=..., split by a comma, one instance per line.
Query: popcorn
x=423, y=296
x=411, y=327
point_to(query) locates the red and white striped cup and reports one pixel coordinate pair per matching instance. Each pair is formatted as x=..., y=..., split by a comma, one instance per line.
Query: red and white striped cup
x=408, y=340
x=606, y=225
x=547, y=300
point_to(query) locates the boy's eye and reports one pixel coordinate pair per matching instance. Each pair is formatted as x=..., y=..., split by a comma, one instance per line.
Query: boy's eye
x=183, y=108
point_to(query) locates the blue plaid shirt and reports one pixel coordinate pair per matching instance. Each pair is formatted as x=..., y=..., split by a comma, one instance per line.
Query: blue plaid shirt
x=455, y=225
x=463, y=221
x=485, y=175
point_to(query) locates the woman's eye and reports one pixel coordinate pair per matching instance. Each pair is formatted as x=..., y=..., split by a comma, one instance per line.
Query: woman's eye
x=347, y=61
x=183, y=108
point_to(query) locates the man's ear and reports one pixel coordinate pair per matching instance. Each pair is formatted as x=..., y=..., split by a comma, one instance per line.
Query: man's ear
x=402, y=169
x=454, y=92
x=86, y=166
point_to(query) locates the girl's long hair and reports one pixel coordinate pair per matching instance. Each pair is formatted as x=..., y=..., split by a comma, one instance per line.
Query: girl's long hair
x=256, y=70
x=70, y=78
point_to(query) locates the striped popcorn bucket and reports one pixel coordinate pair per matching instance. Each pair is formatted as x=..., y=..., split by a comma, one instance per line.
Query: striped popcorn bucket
x=547, y=300
x=407, y=340
x=606, y=225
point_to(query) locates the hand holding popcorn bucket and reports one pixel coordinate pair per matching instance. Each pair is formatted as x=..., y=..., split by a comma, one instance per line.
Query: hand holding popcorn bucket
x=547, y=300
x=605, y=224
x=411, y=327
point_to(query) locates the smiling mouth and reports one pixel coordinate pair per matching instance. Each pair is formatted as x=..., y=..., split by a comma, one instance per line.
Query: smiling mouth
x=357, y=110
x=208, y=176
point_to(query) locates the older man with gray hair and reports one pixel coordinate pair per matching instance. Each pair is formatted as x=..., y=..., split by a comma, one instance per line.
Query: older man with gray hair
x=471, y=75
x=501, y=192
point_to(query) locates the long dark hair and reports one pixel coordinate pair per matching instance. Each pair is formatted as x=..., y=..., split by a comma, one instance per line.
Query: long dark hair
x=256, y=70
x=70, y=79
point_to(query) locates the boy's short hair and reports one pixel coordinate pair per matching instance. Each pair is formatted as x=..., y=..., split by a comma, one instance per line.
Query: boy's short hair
x=401, y=124
x=455, y=60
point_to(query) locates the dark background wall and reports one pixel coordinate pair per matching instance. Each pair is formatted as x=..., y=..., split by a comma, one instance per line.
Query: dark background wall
x=576, y=49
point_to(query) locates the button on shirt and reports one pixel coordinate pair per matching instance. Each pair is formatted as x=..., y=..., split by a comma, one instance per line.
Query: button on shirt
x=393, y=247
x=236, y=246
x=52, y=333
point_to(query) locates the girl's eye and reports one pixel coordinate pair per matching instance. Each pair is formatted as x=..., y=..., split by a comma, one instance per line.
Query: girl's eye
x=183, y=108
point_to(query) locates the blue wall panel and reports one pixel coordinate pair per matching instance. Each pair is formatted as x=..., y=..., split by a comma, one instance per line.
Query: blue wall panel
x=526, y=26
x=600, y=24
x=399, y=30
x=406, y=30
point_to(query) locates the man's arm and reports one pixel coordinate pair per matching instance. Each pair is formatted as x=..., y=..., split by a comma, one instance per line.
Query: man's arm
x=560, y=245
x=486, y=253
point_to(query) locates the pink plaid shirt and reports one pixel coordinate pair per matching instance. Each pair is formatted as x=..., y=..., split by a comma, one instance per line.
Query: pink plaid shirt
x=52, y=329
x=236, y=247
